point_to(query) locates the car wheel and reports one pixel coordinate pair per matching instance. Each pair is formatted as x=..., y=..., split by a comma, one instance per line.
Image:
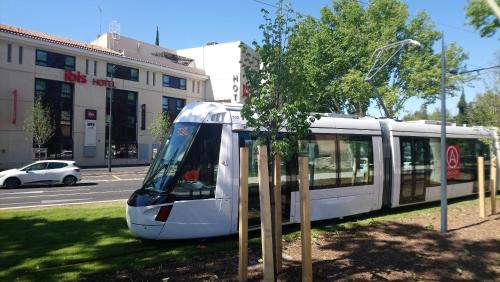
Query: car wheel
x=12, y=182
x=69, y=180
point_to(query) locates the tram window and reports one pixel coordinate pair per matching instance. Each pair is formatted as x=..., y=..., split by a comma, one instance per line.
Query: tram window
x=356, y=160
x=434, y=162
x=322, y=158
x=253, y=178
x=198, y=175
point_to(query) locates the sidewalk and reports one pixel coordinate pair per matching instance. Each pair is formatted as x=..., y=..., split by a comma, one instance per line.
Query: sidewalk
x=114, y=170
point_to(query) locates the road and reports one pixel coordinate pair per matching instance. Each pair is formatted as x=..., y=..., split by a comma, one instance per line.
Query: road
x=93, y=188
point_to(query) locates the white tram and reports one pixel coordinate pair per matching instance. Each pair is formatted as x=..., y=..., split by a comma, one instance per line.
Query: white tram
x=355, y=166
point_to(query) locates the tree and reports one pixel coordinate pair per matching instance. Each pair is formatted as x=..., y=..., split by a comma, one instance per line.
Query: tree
x=485, y=109
x=339, y=53
x=280, y=97
x=159, y=126
x=481, y=16
x=462, y=116
x=38, y=124
x=420, y=114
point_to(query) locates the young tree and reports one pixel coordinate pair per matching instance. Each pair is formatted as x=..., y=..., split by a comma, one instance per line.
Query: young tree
x=339, y=55
x=159, y=126
x=481, y=16
x=281, y=98
x=38, y=124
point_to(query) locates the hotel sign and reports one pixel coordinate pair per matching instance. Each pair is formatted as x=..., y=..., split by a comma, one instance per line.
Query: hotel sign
x=90, y=127
x=72, y=76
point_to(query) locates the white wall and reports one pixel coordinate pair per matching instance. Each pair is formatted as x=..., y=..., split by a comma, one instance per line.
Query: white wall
x=222, y=63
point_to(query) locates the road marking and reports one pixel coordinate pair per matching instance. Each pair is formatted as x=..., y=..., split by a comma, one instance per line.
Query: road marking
x=110, y=180
x=69, y=194
x=45, y=191
x=28, y=192
x=63, y=200
x=54, y=205
x=37, y=202
x=116, y=177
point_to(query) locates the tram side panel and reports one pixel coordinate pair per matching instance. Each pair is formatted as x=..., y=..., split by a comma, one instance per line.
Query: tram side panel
x=344, y=200
x=417, y=168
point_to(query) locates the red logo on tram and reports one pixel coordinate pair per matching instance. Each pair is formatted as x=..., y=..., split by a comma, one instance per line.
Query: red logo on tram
x=453, y=161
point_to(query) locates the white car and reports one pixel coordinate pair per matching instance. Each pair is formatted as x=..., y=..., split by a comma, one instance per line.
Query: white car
x=41, y=172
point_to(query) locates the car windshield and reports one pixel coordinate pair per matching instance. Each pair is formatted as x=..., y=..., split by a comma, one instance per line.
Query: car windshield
x=166, y=165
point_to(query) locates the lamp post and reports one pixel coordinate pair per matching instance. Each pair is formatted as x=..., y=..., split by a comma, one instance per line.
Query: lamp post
x=110, y=117
x=378, y=66
x=444, y=200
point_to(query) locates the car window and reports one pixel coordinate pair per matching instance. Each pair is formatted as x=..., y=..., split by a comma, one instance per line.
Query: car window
x=37, y=166
x=56, y=165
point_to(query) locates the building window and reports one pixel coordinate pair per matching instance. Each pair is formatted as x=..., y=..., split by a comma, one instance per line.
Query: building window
x=20, y=55
x=172, y=106
x=58, y=96
x=122, y=72
x=174, y=82
x=124, y=124
x=192, y=88
x=198, y=87
x=95, y=68
x=55, y=60
x=87, y=66
x=154, y=79
x=147, y=77
x=9, y=53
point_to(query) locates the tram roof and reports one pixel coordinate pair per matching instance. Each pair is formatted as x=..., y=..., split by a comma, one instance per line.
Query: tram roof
x=213, y=112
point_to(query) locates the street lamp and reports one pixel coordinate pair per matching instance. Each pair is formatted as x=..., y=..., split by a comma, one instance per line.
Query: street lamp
x=112, y=70
x=378, y=65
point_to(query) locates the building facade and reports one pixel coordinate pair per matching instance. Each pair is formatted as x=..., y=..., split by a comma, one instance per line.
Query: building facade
x=76, y=80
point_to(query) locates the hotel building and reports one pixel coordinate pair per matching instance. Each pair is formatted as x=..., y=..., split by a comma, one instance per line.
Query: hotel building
x=75, y=81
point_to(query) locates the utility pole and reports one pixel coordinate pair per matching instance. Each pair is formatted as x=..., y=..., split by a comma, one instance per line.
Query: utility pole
x=444, y=202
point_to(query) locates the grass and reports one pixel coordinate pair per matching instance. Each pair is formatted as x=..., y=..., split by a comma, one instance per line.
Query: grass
x=68, y=243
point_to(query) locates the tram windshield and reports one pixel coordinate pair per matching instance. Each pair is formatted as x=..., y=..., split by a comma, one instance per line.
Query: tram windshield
x=186, y=167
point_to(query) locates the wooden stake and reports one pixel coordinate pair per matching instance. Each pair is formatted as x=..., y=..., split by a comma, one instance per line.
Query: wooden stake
x=305, y=219
x=243, y=217
x=480, y=183
x=265, y=215
x=277, y=212
x=493, y=184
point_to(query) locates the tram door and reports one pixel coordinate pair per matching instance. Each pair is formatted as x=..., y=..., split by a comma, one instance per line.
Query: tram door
x=414, y=169
x=288, y=180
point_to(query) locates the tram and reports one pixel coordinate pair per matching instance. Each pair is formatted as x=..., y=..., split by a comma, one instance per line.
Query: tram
x=355, y=166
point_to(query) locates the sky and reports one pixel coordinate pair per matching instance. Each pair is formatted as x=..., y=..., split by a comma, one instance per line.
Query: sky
x=191, y=23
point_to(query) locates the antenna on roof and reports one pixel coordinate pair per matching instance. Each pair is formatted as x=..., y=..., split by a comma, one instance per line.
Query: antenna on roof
x=114, y=29
x=100, y=20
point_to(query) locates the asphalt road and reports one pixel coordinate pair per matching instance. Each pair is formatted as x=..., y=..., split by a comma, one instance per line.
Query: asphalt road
x=93, y=188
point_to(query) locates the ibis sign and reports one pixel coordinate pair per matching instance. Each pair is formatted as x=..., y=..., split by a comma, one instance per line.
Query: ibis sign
x=71, y=76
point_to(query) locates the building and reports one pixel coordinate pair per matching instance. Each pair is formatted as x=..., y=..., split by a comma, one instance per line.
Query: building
x=76, y=80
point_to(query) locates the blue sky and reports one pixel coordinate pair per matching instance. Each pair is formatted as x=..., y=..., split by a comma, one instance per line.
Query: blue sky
x=190, y=23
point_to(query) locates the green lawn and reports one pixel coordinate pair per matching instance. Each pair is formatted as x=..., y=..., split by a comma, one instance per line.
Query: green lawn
x=67, y=243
